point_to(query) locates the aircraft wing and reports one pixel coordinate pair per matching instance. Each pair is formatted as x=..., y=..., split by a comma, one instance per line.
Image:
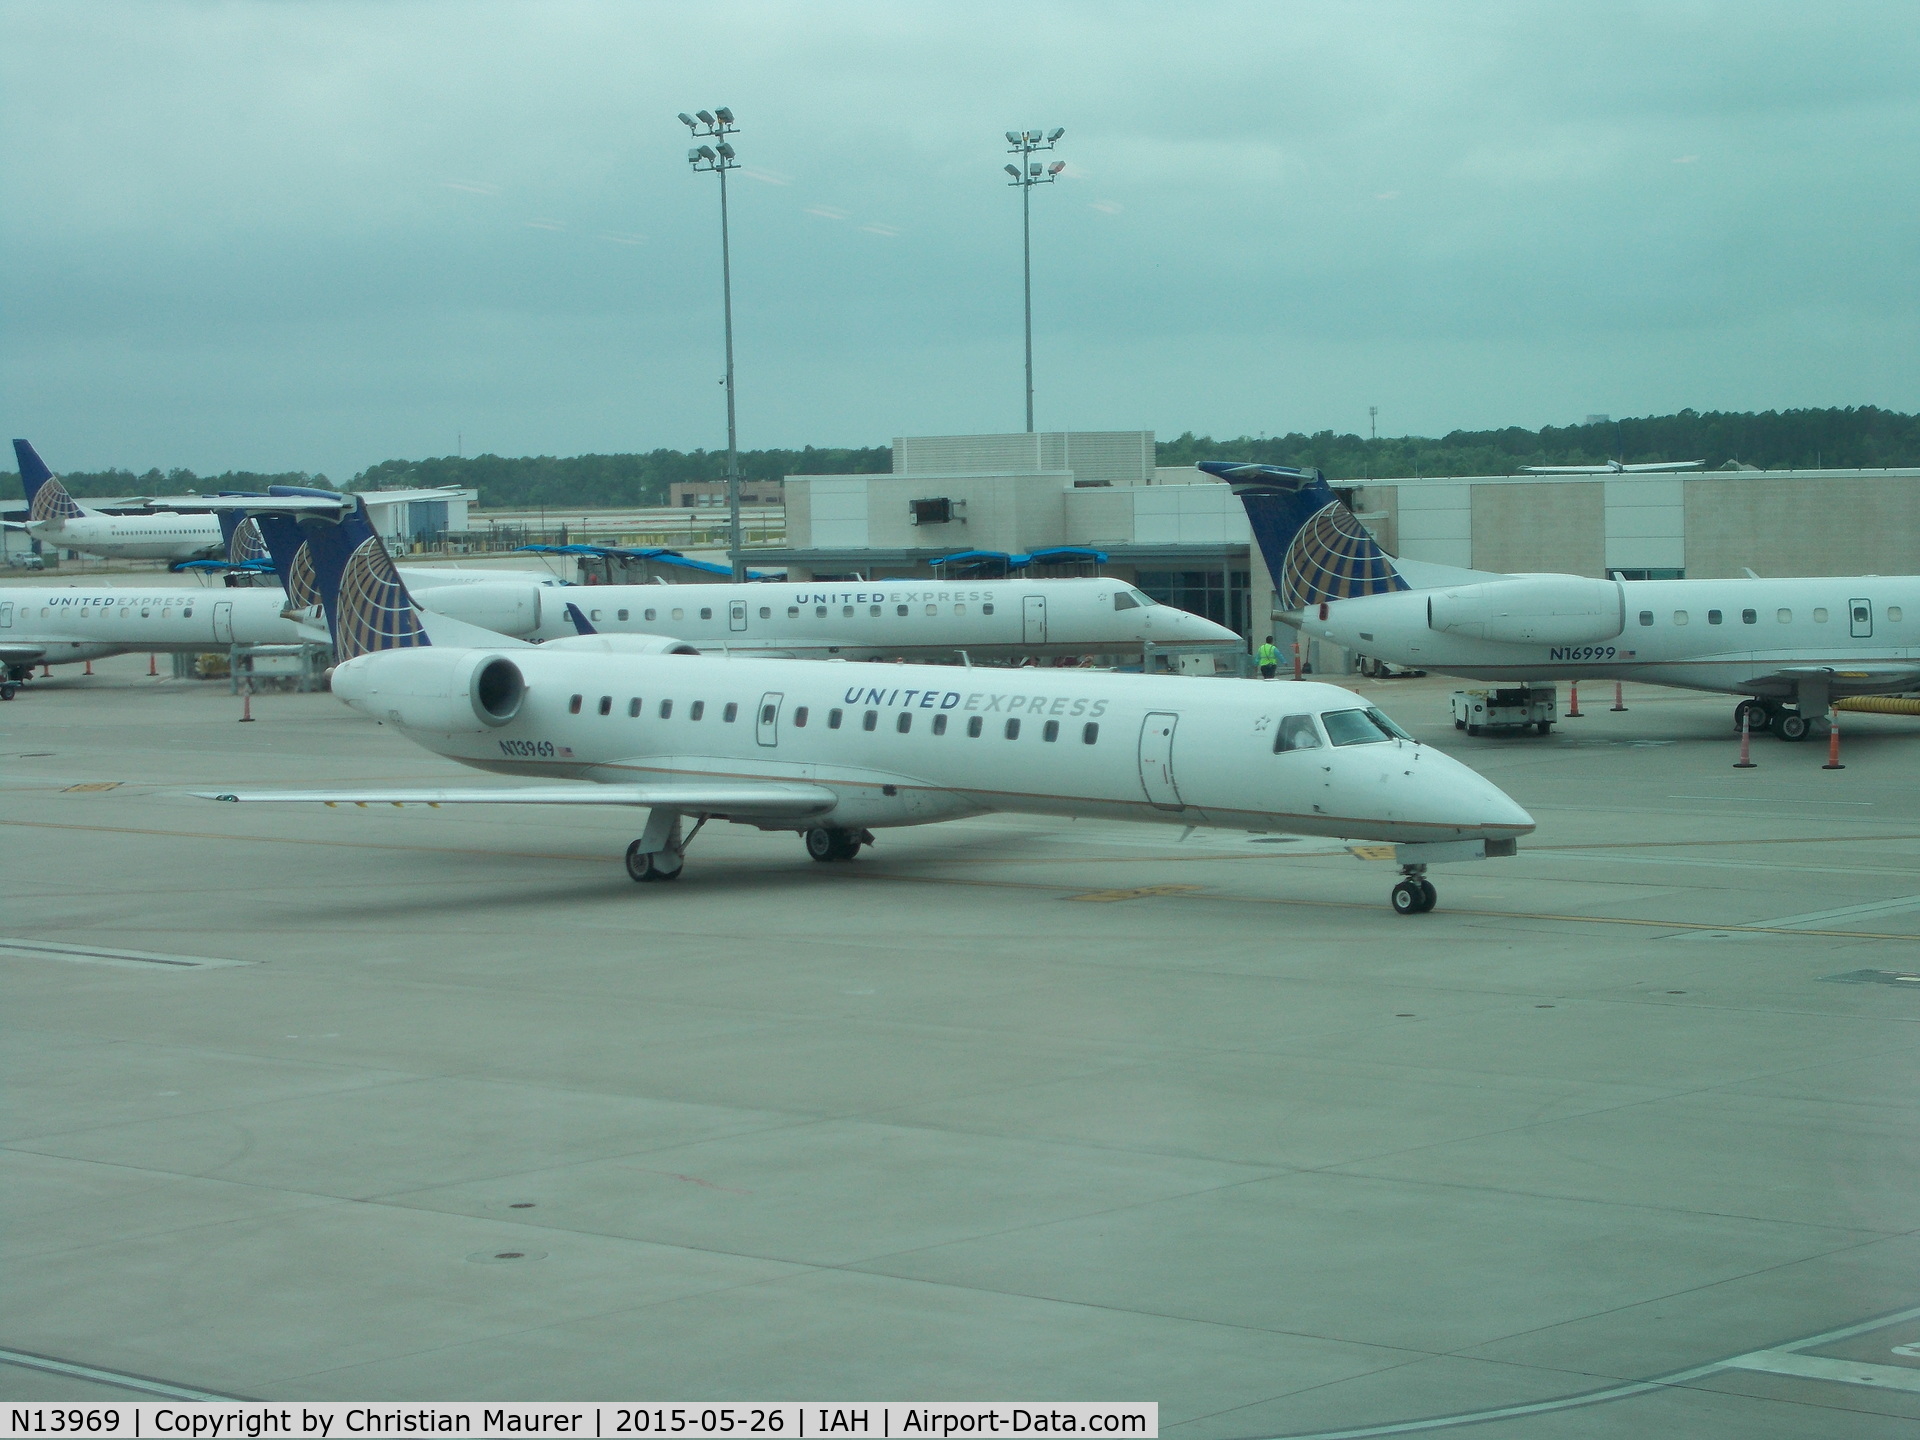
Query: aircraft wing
x=15, y=653
x=1853, y=680
x=247, y=504
x=770, y=800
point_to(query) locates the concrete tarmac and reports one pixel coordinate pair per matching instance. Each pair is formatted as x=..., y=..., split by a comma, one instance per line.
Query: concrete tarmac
x=414, y=1104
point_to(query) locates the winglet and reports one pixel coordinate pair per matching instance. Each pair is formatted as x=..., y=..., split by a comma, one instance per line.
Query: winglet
x=1316, y=549
x=579, y=620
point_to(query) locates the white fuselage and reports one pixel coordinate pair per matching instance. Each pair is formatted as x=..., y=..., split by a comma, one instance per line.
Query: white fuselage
x=133, y=537
x=72, y=623
x=905, y=745
x=1725, y=636
x=882, y=619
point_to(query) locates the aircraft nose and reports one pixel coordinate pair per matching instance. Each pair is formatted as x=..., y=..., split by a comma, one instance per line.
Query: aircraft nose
x=1496, y=813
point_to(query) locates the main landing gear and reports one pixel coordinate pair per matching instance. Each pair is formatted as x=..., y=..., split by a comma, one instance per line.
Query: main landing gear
x=661, y=853
x=1415, y=894
x=824, y=844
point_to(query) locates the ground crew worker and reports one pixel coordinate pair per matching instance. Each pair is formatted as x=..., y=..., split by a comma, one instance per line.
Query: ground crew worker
x=1269, y=660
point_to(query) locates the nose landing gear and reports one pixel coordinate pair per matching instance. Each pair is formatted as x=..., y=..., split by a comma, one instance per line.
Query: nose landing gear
x=1414, y=895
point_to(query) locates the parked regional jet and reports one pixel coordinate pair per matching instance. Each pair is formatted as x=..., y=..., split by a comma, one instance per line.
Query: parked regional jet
x=836, y=751
x=1791, y=646
x=848, y=620
x=67, y=624
x=55, y=518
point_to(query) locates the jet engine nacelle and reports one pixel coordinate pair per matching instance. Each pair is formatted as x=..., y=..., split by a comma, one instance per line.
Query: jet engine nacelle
x=1537, y=609
x=504, y=607
x=623, y=644
x=446, y=691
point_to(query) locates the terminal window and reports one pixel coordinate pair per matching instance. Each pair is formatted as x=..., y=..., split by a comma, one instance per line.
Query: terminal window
x=1200, y=592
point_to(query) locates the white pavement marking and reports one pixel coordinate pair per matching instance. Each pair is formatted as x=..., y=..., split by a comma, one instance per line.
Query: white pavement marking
x=1643, y=1387
x=125, y=1381
x=1820, y=1367
x=100, y=955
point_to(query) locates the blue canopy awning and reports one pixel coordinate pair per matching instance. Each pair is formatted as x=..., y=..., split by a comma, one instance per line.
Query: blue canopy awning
x=659, y=554
x=1062, y=554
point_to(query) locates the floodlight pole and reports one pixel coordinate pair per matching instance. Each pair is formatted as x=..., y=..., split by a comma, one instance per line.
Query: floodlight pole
x=1027, y=175
x=719, y=160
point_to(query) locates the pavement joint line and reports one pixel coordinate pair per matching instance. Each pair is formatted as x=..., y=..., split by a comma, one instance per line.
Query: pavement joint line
x=125, y=1379
x=1623, y=1392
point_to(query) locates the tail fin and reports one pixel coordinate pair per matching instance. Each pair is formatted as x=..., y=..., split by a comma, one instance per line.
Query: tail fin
x=1316, y=549
x=47, y=498
x=241, y=533
x=292, y=561
x=367, y=604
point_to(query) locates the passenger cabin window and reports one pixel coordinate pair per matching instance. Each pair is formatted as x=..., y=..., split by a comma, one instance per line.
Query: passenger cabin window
x=1013, y=729
x=1860, y=615
x=706, y=612
x=633, y=708
x=959, y=609
x=904, y=722
x=652, y=613
x=1894, y=613
x=869, y=720
x=606, y=704
x=1123, y=601
x=819, y=612
x=666, y=709
x=1749, y=617
x=793, y=612
x=1296, y=732
x=833, y=719
x=987, y=609
x=731, y=713
x=1356, y=727
x=1785, y=616
x=573, y=706
x=900, y=609
x=1646, y=617
x=767, y=713
x=973, y=727
x=1050, y=731
x=622, y=614
x=593, y=615
x=1679, y=617
x=1089, y=732
x=939, y=724
x=1713, y=617
x=799, y=717
x=678, y=613
x=766, y=612
x=1819, y=614
x=873, y=610
x=933, y=609
x=846, y=612
x=698, y=709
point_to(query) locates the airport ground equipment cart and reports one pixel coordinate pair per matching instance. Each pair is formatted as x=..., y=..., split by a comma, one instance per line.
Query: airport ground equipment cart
x=1515, y=707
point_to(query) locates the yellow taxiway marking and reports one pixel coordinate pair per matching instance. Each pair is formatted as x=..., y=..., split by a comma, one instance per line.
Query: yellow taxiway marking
x=91, y=785
x=1134, y=894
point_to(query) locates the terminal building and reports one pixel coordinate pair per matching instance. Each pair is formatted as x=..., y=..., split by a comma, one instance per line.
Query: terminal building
x=1071, y=502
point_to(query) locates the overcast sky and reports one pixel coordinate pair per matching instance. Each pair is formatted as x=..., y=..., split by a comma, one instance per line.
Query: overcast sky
x=319, y=235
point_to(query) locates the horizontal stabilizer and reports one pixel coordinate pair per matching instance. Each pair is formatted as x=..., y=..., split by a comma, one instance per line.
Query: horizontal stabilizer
x=767, y=801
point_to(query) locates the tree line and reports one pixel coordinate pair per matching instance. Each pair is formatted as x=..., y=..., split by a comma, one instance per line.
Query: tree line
x=1861, y=437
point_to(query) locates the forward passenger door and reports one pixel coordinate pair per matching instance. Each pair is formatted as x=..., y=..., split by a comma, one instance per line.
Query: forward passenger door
x=1034, y=614
x=1156, y=760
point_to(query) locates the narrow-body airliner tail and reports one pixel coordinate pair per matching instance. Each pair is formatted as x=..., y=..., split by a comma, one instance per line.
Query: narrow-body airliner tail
x=47, y=498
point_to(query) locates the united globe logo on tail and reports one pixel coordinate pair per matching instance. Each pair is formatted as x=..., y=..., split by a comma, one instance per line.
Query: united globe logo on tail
x=52, y=502
x=375, y=611
x=247, y=545
x=303, y=590
x=1316, y=549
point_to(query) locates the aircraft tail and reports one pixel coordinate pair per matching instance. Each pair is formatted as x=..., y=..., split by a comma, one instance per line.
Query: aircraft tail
x=240, y=533
x=47, y=498
x=1316, y=549
x=367, y=604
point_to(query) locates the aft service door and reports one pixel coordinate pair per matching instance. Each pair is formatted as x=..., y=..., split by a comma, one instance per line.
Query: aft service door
x=223, y=622
x=737, y=615
x=767, y=728
x=1860, y=619
x=1034, y=611
x=1156, y=759
x=6, y=616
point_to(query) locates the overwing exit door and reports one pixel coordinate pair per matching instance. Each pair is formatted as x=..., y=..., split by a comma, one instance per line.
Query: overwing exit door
x=223, y=622
x=1860, y=619
x=1034, y=612
x=737, y=615
x=767, y=727
x=1156, y=759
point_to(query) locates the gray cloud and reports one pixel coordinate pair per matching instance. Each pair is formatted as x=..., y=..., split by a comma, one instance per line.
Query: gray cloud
x=320, y=235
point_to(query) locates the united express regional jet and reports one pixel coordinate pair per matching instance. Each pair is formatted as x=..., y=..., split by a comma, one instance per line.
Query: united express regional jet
x=835, y=752
x=1790, y=646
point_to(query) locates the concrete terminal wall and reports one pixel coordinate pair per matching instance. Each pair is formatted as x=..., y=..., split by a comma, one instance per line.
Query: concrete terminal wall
x=1783, y=525
x=1540, y=527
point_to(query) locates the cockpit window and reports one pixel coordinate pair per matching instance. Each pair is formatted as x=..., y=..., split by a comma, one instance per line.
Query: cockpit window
x=1123, y=601
x=1296, y=732
x=1387, y=725
x=1357, y=727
